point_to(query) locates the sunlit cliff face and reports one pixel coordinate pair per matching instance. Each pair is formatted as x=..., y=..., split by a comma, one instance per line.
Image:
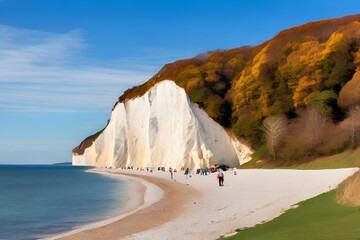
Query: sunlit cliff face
x=162, y=128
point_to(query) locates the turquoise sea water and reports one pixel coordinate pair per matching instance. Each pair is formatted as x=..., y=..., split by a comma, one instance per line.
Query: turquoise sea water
x=37, y=201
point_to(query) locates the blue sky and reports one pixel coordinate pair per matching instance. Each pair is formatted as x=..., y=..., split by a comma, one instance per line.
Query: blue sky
x=64, y=63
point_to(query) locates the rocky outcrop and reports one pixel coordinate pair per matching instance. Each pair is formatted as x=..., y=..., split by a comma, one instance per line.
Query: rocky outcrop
x=161, y=128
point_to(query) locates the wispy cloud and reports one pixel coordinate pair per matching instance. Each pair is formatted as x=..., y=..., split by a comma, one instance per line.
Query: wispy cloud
x=42, y=71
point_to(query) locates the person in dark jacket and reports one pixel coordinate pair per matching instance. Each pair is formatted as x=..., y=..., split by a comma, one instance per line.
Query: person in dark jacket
x=220, y=178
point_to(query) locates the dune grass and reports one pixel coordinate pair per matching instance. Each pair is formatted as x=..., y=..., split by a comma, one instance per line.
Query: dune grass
x=317, y=218
x=348, y=191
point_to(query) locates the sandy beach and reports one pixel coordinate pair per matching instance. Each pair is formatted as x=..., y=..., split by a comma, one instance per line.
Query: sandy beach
x=197, y=208
x=158, y=193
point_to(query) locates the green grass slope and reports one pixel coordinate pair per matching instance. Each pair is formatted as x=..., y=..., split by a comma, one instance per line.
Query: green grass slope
x=347, y=159
x=318, y=218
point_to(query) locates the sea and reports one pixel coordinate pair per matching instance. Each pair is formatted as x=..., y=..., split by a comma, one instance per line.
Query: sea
x=40, y=200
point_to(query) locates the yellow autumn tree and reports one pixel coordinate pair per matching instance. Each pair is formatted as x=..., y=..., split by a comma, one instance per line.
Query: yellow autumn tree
x=211, y=71
x=304, y=91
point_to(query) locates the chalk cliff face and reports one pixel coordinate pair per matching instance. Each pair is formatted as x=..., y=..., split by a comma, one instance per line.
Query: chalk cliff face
x=162, y=128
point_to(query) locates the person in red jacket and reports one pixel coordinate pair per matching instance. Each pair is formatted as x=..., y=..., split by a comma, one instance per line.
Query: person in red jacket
x=220, y=178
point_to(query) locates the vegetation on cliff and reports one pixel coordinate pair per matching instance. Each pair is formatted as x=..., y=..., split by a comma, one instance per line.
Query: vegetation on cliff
x=299, y=74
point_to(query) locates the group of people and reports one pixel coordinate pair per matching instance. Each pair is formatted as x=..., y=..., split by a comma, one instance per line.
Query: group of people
x=219, y=176
x=206, y=171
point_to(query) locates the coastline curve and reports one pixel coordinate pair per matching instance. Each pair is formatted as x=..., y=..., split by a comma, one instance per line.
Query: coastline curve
x=149, y=194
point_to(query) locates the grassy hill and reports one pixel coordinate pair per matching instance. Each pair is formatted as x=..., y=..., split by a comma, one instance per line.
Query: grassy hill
x=317, y=218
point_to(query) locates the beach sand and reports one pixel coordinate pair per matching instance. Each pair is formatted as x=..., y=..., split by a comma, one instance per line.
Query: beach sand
x=162, y=200
x=197, y=208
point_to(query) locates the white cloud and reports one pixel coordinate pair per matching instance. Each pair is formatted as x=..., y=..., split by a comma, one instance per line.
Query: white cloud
x=42, y=71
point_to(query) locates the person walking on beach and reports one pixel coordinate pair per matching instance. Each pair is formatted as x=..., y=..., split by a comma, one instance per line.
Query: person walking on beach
x=171, y=173
x=187, y=172
x=220, y=178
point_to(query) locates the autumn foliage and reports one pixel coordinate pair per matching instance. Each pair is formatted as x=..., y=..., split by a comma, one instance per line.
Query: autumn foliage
x=303, y=66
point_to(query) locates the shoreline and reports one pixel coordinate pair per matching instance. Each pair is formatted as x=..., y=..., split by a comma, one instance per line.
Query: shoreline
x=158, y=197
x=197, y=208
x=145, y=195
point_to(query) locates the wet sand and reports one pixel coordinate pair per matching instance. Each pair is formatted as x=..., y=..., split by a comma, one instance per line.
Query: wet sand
x=175, y=194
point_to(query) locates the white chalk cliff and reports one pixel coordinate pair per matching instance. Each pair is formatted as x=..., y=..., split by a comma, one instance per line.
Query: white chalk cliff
x=162, y=128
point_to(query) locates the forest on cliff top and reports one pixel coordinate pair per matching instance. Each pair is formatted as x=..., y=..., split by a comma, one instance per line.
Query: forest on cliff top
x=295, y=95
